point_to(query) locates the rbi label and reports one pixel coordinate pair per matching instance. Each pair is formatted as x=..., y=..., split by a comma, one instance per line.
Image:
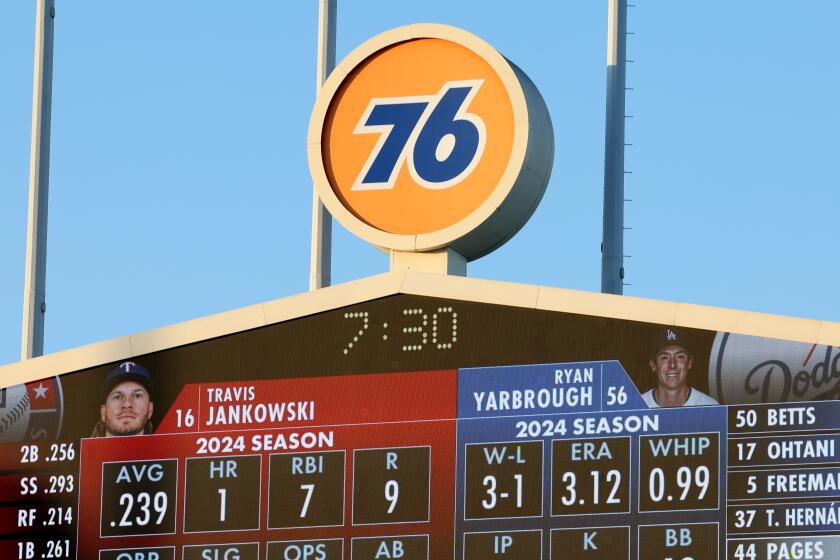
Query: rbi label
x=425, y=137
x=306, y=489
x=139, y=498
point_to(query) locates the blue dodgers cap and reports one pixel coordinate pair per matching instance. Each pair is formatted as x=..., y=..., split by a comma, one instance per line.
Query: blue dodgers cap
x=669, y=336
x=127, y=371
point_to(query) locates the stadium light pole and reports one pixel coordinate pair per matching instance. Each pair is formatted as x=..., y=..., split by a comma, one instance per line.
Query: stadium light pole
x=35, y=272
x=320, y=256
x=612, y=246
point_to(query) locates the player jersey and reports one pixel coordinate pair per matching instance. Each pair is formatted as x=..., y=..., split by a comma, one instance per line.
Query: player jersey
x=695, y=398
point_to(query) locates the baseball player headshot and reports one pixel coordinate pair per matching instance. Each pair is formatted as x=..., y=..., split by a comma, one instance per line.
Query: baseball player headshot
x=126, y=402
x=671, y=361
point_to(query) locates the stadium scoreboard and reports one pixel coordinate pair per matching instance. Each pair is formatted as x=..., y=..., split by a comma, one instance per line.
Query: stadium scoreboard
x=416, y=428
x=446, y=419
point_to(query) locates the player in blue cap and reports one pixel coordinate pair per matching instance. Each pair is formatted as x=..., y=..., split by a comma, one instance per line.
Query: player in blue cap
x=127, y=406
x=671, y=361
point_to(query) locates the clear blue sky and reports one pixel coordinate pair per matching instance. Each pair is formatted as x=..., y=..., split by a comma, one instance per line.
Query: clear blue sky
x=180, y=187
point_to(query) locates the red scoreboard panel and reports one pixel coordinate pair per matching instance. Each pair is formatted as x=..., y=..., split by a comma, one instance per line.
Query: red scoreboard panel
x=291, y=460
x=417, y=426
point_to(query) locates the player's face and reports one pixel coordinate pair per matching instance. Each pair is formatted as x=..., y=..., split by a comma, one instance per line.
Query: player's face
x=671, y=365
x=126, y=410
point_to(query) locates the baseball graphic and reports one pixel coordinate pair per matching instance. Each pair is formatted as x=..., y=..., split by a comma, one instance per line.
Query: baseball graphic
x=14, y=413
x=751, y=369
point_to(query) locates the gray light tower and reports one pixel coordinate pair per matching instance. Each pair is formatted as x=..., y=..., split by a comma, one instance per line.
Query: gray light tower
x=320, y=256
x=612, y=246
x=35, y=273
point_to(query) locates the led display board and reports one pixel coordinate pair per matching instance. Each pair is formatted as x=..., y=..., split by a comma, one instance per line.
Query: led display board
x=422, y=427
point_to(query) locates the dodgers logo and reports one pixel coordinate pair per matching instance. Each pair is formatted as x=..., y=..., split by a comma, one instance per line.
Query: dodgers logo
x=753, y=369
x=425, y=137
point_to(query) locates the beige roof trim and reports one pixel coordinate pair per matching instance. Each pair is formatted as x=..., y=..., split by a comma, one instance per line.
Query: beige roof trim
x=421, y=284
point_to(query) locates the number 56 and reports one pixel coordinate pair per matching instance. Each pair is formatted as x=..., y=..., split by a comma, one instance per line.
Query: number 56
x=435, y=134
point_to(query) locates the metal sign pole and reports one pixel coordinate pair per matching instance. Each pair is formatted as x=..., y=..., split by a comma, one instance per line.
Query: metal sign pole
x=612, y=248
x=35, y=274
x=320, y=257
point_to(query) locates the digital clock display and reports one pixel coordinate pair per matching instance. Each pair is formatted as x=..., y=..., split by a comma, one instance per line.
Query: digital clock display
x=413, y=428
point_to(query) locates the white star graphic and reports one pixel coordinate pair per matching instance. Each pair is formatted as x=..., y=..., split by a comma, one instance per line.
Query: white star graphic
x=40, y=391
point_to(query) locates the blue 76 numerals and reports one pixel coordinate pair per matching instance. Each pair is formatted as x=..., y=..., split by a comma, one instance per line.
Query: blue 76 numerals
x=434, y=134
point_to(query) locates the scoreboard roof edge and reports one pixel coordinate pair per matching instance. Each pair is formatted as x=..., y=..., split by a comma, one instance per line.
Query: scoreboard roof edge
x=421, y=284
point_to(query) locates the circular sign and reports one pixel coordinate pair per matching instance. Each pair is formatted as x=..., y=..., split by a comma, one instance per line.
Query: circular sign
x=425, y=137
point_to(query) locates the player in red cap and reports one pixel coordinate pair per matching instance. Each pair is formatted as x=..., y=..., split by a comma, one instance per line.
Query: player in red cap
x=127, y=406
